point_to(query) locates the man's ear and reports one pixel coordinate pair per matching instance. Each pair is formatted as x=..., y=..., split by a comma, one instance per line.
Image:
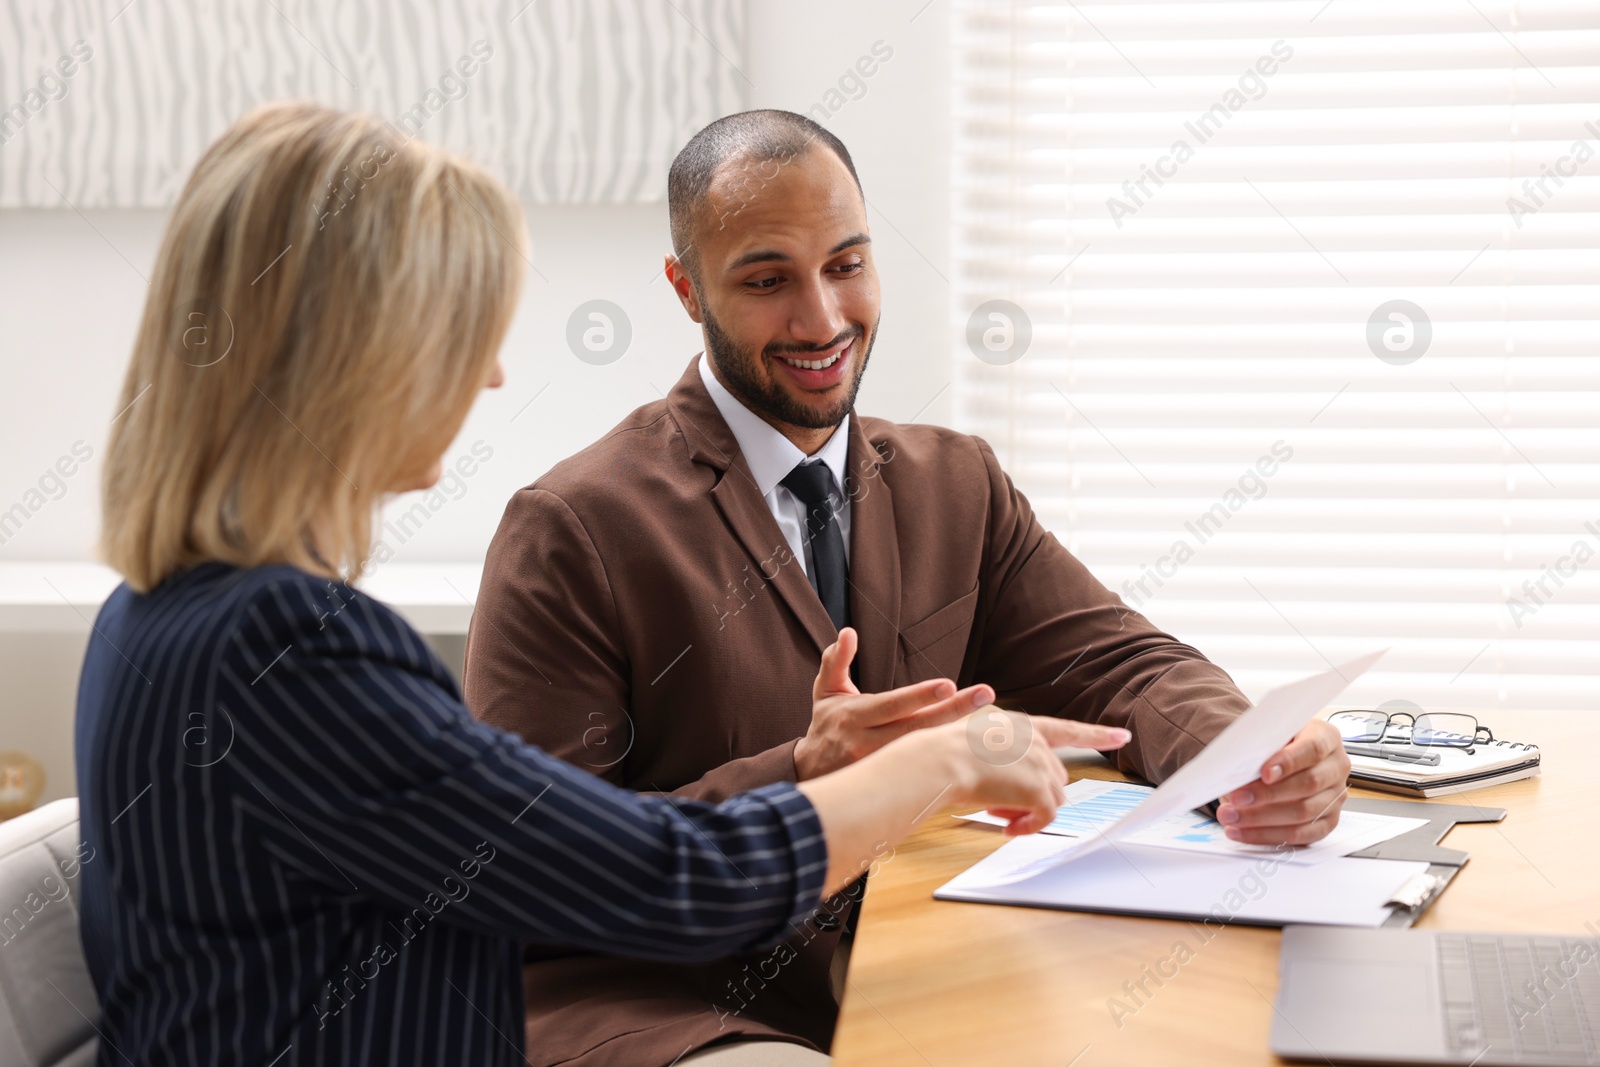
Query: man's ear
x=683, y=286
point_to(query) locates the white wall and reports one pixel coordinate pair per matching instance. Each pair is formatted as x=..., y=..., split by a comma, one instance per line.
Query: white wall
x=71, y=292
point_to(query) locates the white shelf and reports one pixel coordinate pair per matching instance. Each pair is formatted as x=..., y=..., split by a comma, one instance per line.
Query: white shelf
x=436, y=598
x=51, y=597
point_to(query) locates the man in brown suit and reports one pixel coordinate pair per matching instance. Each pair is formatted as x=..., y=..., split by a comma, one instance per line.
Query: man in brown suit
x=655, y=607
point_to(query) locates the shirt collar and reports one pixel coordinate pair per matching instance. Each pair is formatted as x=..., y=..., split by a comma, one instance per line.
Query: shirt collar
x=770, y=455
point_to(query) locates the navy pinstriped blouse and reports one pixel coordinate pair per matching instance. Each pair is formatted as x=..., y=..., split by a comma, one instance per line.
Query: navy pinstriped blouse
x=306, y=851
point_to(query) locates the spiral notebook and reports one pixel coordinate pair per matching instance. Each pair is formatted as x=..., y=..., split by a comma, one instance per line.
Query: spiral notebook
x=1459, y=770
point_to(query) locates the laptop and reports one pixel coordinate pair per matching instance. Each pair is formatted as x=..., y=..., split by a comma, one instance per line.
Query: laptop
x=1431, y=996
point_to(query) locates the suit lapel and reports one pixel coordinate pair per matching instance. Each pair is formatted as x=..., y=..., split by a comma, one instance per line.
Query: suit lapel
x=874, y=564
x=744, y=509
x=749, y=518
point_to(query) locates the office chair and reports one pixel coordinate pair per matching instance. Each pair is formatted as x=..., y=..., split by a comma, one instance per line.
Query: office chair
x=48, y=1009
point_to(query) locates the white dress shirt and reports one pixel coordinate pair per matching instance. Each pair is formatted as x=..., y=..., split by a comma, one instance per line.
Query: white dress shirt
x=772, y=456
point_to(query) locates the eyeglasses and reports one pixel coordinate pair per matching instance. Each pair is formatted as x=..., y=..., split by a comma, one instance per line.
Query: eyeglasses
x=1439, y=729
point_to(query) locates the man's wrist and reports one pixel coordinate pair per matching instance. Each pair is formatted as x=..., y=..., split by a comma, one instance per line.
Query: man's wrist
x=803, y=770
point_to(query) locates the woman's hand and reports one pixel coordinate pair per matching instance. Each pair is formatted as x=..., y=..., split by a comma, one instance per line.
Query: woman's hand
x=1001, y=760
x=1004, y=762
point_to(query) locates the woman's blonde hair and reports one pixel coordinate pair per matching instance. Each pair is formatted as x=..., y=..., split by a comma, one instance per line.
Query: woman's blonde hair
x=328, y=300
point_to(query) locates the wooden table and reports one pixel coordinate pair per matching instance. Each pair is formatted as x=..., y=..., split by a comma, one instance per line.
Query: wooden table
x=944, y=984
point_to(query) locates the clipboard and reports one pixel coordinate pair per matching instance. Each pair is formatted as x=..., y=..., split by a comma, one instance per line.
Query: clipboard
x=1154, y=882
x=1422, y=844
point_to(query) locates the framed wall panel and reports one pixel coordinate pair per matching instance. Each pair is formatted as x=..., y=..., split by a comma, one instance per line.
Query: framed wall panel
x=109, y=103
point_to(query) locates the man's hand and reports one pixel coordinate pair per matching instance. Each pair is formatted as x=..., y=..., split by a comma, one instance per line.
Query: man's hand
x=847, y=725
x=1297, y=798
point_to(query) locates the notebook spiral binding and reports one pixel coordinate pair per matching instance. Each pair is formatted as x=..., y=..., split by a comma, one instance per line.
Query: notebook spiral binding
x=1492, y=741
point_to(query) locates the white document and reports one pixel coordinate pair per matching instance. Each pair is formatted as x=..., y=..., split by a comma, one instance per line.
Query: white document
x=1142, y=880
x=1232, y=759
x=1355, y=831
x=1094, y=806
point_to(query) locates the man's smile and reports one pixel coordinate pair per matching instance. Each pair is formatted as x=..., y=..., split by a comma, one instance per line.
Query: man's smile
x=822, y=370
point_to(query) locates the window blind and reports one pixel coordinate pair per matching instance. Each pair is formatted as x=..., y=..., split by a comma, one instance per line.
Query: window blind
x=1285, y=316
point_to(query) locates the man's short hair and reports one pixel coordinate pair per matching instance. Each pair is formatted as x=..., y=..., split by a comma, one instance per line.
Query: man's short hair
x=755, y=139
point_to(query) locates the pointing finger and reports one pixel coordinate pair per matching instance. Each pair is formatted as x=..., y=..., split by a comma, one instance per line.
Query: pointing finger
x=1059, y=733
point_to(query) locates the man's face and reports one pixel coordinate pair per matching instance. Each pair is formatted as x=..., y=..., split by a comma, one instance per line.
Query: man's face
x=786, y=292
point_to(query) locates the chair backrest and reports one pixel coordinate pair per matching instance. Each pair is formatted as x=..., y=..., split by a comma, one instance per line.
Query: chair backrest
x=48, y=1009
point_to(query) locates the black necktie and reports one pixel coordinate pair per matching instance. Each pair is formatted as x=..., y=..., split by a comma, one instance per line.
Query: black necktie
x=812, y=483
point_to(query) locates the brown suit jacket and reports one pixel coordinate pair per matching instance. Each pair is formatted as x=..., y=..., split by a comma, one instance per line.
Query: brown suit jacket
x=641, y=615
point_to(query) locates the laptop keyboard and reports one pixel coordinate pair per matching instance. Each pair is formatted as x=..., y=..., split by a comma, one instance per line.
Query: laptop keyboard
x=1528, y=999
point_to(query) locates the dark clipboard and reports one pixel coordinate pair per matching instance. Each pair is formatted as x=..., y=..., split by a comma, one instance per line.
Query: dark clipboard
x=1422, y=843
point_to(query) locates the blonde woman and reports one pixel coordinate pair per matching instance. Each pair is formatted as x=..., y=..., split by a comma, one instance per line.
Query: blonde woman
x=306, y=849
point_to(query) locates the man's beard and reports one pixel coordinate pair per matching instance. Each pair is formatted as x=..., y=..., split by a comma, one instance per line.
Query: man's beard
x=737, y=365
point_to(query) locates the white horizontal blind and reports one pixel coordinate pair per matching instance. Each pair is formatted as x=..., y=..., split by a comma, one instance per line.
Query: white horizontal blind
x=1199, y=209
